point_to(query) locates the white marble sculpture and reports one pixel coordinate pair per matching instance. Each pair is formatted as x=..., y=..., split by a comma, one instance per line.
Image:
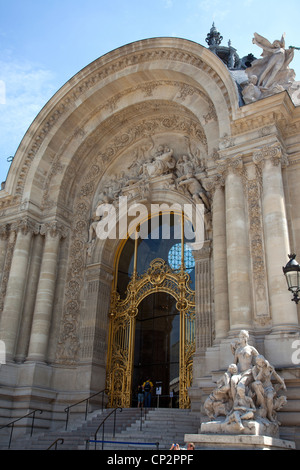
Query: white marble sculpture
x=162, y=163
x=270, y=74
x=245, y=400
x=251, y=91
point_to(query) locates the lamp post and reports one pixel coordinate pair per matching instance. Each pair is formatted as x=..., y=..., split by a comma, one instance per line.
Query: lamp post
x=292, y=275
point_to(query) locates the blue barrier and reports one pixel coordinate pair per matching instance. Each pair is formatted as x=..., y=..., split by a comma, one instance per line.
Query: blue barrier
x=127, y=443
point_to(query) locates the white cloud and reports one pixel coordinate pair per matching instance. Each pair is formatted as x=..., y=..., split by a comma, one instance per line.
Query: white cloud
x=26, y=88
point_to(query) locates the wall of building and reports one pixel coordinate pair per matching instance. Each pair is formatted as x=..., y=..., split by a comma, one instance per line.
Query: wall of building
x=93, y=135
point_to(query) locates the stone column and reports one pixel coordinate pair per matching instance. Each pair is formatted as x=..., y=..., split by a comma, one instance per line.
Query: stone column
x=238, y=256
x=13, y=304
x=45, y=294
x=220, y=265
x=29, y=299
x=276, y=237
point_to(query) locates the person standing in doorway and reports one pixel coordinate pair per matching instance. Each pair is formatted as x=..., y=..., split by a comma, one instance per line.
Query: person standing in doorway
x=147, y=387
x=141, y=396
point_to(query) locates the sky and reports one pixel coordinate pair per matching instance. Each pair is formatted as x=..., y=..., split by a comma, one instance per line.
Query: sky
x=43, y=43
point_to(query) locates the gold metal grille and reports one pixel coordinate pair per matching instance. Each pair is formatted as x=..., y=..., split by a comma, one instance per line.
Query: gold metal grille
x=158, y=278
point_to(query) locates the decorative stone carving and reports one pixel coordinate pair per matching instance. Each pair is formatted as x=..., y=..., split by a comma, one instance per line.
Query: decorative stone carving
x=54, y=229
x=162, y=163
x=219, y=402
x=273, y=153
x=257, y=247
x=103, y=72
x=271, y=74
x=135, y=144
x=93, y=228
x=7, y=264
x=235, y=165
x=251, y=92
x=153, y=167
x=145, y=167
x=25, y=225
x=195, y=189
x=245, y=401
x=4, y=231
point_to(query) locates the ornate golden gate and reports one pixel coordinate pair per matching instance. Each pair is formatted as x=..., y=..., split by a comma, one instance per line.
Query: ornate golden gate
x=158, y=278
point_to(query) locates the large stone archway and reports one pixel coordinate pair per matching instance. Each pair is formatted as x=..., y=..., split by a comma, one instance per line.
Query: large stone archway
x=94, y=136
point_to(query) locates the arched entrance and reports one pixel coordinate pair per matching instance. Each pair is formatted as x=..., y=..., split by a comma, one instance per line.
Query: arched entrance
x=152, y=318
x=156, y=348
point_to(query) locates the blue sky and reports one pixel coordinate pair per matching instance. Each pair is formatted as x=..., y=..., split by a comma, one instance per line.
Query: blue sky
x=43, y=43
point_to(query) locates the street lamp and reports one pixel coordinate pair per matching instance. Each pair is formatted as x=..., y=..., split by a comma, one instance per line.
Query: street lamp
x=292, y=275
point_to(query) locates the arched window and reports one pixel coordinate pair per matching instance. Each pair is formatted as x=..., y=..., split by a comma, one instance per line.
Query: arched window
x=163, y=241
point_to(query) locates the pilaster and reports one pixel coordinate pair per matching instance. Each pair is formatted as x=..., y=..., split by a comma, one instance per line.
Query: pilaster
x=203, y=297
x=237, y=240
x=220, y=279
x=270, y=159
x=13, y=304
x=45, y=293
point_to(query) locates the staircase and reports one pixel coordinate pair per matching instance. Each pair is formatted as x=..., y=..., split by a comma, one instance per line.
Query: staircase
x=163, y=426
x=160, y=425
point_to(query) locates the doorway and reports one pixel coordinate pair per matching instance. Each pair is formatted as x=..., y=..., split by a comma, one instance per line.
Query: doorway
x=156, y=350
x=152, y=317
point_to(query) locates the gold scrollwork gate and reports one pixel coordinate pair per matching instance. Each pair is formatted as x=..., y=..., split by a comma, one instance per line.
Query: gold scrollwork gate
x=158, y=278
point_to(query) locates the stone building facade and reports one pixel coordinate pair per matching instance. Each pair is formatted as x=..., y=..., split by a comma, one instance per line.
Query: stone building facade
x=90, y=141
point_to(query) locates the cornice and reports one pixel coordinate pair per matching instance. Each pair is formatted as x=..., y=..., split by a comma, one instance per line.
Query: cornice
x=276, y=110
x=246, y=148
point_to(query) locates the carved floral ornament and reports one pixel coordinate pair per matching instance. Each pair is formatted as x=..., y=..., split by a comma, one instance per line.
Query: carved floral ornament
x=135, y=146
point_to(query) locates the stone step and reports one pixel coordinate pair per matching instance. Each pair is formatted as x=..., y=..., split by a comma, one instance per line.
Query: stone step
x=161, y=425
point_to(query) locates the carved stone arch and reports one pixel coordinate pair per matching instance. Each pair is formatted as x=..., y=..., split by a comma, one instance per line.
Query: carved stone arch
x=138, y=126
x=195, y=71
x=100, y=271
x=169, y=89
x=130, y=124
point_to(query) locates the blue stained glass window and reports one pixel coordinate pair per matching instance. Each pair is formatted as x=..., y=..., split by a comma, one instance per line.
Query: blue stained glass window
x=174, y=257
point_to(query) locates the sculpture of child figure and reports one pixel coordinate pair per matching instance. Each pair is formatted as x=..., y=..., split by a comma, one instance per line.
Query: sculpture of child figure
x=243, y=408
x=220, y=400
x=266, y=394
